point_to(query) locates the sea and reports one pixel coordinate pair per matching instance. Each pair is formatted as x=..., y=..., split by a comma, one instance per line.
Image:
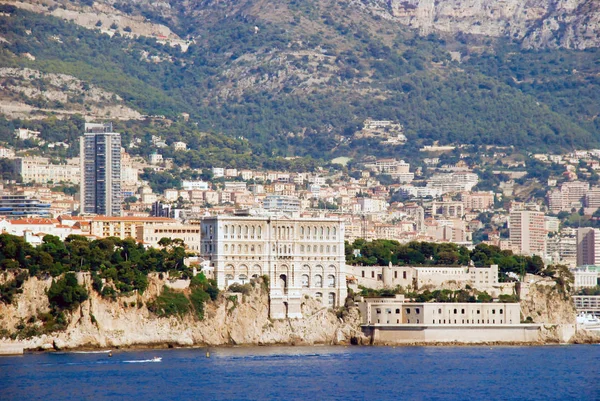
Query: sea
x=560, y=372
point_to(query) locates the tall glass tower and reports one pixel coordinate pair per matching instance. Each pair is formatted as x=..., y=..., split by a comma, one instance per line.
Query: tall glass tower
x=100, y=152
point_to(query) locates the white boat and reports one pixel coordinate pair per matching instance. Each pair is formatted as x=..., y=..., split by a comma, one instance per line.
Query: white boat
x=588, y=321
x=156, y=359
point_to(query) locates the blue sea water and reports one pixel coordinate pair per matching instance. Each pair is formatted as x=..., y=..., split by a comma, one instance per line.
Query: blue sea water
x=309, y=373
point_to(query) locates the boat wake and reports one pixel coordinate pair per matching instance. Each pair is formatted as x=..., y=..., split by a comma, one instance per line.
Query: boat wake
x=144, y=360
x=92, y=352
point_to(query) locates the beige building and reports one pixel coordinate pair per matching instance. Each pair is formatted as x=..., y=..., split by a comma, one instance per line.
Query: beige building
x=482, y=278
x=301, y=256
x=123, y=227
x=527, y=232
x=41, y=171
x=395, y=321
x=478, y=200
x=151, y=234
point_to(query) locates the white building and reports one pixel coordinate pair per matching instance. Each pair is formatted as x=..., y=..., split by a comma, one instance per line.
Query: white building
x=192, y=185
x=301, y=257
x=41, y=171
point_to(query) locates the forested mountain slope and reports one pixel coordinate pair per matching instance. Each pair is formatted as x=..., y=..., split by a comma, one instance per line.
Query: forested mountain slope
x=300, y=77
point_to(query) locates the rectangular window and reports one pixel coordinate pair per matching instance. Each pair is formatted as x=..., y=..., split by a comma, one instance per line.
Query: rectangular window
x=397, y=311
x=462, y=311
x=417, y=311
x=372, y=274
x=408, y=311
x=388, y=311
x=363, y=273
x=378, y=310
x=395, y=274
x=404, y=275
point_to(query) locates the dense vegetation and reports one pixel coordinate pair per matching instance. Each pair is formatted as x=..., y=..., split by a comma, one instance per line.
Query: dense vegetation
x=365, y=68
x=382, y=252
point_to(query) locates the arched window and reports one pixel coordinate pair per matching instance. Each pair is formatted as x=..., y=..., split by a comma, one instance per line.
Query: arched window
x=319, y=295
x=226, y=229
x=252, y=249
x=253, y=231
x=334, y=231
x=321, y=232
x=239, y=249
x=318, y=280
x=304, y=281
x=328, y=249
x=243, y=278
x=260, y=249
x=334, y=249
x=302, y=230
x=301, y=248
x=328, y=232
x=314, y=249
x=331, y=299
x=228, y=279
x=314, y=232
x=245, y=230
x=321, y=249
x=259, y=232
x=331, y=281
x=226, y=247
x=246, y=249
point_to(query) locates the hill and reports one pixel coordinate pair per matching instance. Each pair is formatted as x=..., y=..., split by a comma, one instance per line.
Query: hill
x=299, y=78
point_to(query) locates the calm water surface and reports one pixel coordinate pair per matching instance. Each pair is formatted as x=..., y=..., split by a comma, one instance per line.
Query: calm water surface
x=309, y=373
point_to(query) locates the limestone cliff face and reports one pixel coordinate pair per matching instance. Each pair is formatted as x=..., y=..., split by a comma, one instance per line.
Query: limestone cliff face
x=102, y=323
x=541, y=301
x=536, y=23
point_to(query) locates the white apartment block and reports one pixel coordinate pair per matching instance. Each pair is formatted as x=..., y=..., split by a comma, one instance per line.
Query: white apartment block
x=41, y=171
x=302, y=257
x=453, y=182
x=194, y=185
x=527, y=232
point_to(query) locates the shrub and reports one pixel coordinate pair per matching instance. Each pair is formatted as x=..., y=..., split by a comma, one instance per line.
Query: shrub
x=197, y=298
x=241, y=288
x=9, y=289
x=66, y=294
x=170, y=303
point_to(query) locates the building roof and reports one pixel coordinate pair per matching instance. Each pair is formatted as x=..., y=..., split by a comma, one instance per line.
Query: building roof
x=34, y=221
x=132, y=218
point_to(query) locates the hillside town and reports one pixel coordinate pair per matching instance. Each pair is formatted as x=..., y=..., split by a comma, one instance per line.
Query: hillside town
x=299, y=228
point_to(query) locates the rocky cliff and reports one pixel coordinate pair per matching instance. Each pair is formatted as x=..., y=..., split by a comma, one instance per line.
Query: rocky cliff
x=536, y=23
x=542, y=301
x=232, y=319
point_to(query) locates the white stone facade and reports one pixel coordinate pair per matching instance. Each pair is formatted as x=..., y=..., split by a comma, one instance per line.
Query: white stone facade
x=301, y=257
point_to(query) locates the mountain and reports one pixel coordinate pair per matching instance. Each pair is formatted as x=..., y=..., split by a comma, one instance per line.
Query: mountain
x=533, y=23
x=298, y=78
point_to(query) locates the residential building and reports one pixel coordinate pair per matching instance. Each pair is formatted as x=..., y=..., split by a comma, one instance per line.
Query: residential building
x=18, y=206
x=281, y=204
x=100, y=160
x=588, y=246
x=527, y=232
x=40, y=170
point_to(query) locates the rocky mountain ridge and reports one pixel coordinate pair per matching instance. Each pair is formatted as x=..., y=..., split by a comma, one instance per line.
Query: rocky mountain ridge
x=571, y=24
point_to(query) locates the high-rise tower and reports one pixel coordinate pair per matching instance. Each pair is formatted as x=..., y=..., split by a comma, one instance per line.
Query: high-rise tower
x=100, y=153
